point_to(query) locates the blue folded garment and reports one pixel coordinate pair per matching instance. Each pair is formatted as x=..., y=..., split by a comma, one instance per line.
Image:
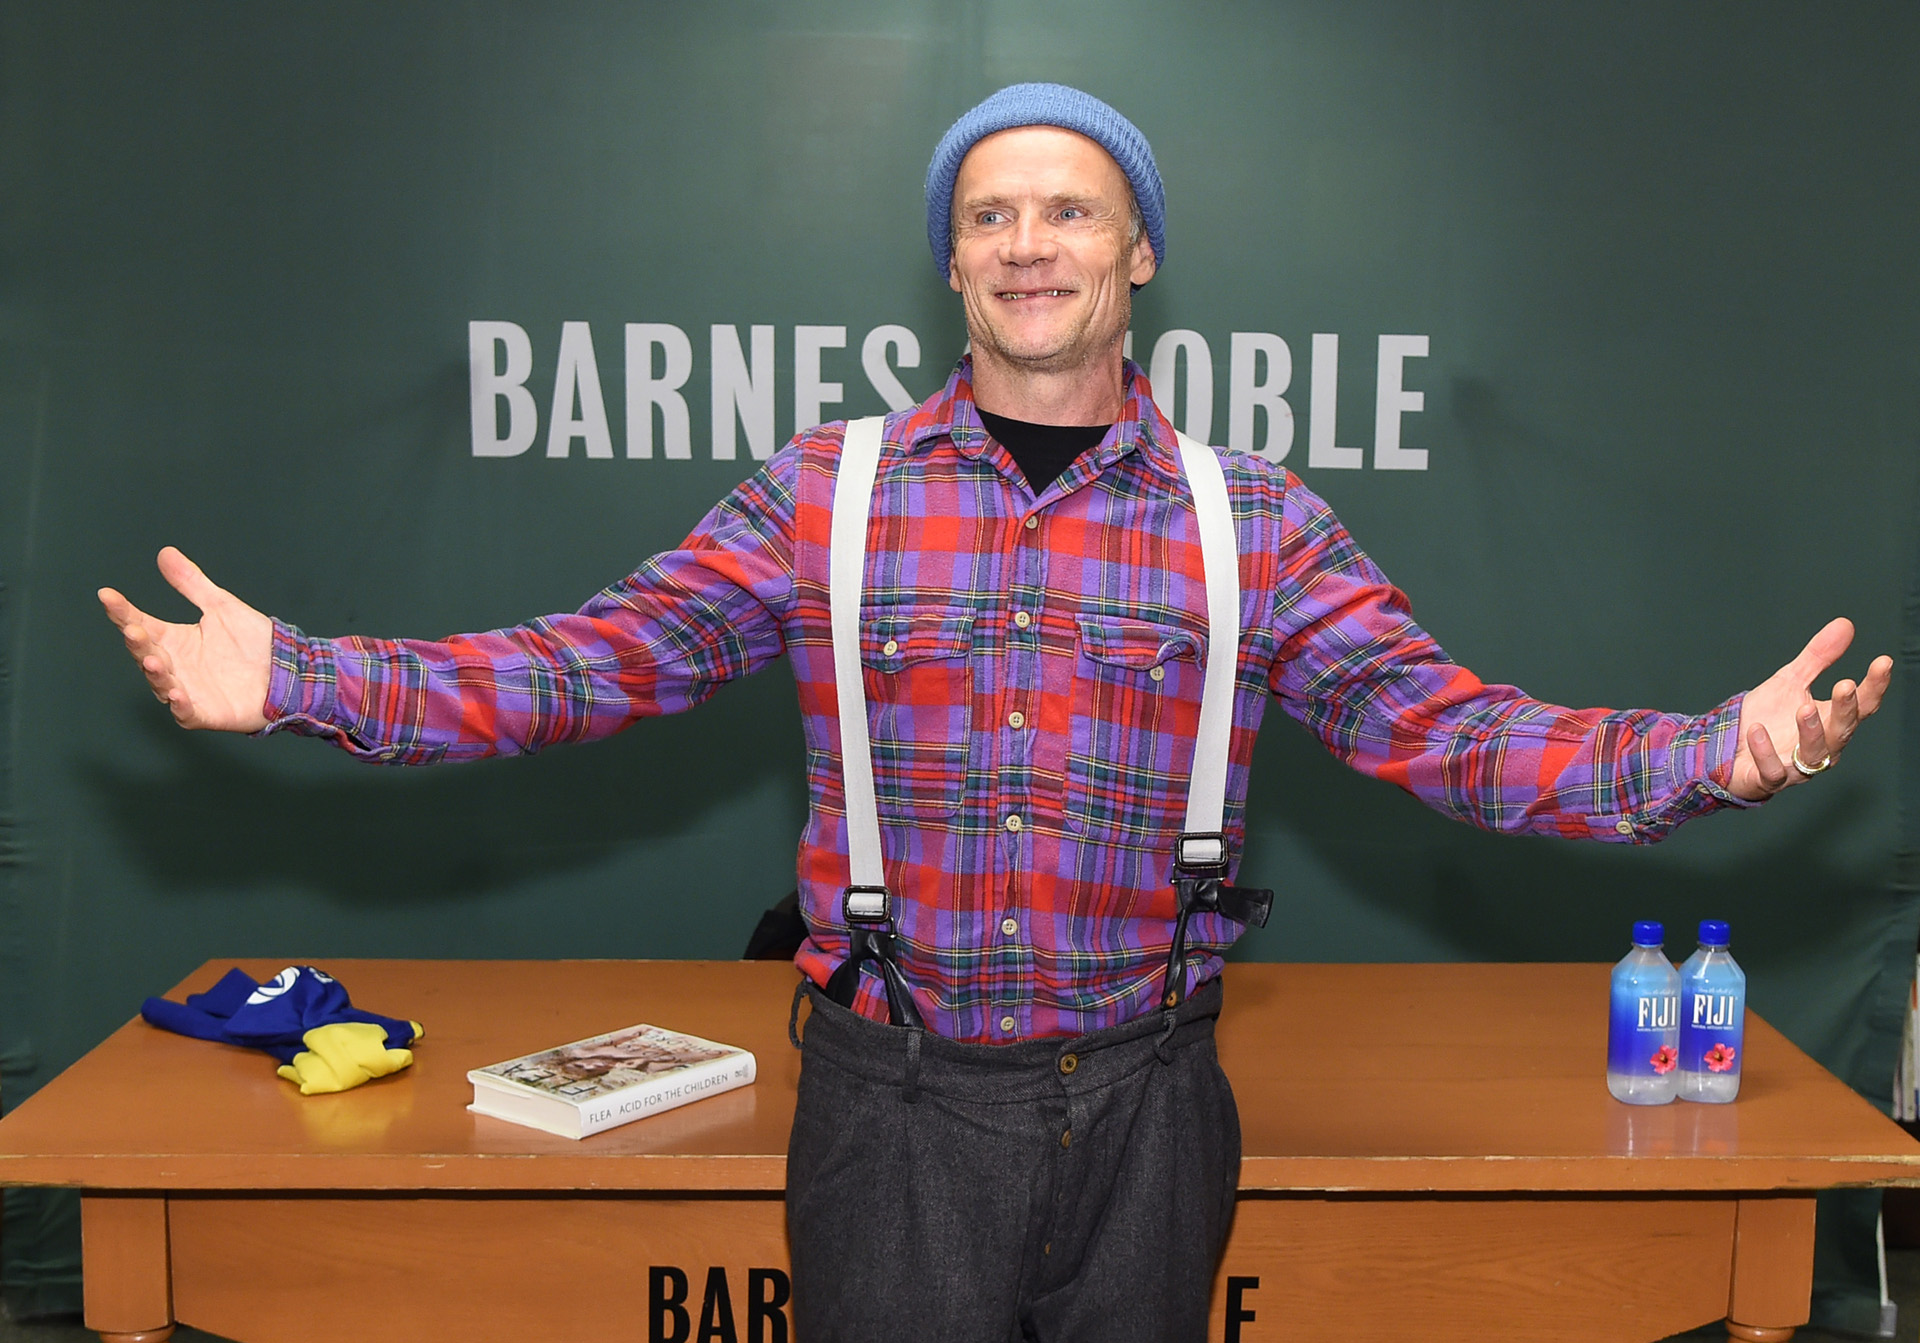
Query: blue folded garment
x=274, y=1016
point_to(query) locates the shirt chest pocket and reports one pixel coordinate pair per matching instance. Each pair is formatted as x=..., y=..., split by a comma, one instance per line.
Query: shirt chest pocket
x=919, y=682
x=1136, y=708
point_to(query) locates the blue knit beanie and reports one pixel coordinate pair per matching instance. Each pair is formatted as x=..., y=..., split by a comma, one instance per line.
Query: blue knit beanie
x=1044, y=105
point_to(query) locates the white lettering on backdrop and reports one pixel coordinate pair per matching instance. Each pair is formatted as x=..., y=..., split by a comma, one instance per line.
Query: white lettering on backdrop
x=743, y=390
x=659, y=364
x=1247, y=392
x=576, y=377
x=645, y=389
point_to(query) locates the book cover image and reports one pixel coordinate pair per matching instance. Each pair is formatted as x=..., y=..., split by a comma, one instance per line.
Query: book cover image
x=606, y=1064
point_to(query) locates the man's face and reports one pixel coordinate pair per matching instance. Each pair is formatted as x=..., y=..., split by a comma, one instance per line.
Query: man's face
x=1040, y=252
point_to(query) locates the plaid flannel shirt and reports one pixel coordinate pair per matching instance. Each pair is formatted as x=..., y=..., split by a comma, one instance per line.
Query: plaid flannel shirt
x=1033, y=671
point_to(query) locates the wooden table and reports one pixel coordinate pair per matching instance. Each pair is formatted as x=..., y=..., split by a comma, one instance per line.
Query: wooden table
x=1430, y=1153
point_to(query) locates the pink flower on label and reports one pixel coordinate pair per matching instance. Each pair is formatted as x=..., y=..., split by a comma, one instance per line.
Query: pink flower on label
x=1664, y=1060
x=1719, y=1059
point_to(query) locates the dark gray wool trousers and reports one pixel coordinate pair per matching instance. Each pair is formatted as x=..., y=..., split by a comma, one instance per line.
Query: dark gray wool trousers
x=1065, y=1191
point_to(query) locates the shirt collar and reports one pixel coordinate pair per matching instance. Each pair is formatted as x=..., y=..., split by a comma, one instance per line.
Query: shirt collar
x=950, y=414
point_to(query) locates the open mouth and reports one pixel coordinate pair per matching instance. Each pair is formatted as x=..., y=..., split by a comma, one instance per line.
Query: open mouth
x=1017, y=295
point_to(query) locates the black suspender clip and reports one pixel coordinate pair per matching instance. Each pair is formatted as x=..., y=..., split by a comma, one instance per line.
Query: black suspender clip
x=870, y=934
x=1200, y=879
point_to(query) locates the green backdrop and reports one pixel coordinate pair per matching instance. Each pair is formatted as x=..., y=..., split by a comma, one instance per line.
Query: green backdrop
x=1662, y=256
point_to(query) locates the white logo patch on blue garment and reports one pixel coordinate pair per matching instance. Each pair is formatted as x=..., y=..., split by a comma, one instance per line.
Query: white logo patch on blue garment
x=281, y=982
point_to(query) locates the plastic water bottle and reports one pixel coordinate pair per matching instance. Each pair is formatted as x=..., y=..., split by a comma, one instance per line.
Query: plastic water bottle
x=1643, y=1032
x=1713, y=1019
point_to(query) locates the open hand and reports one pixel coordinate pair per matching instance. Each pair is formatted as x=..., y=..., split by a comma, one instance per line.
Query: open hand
x=1780, y=721
x=210, y=674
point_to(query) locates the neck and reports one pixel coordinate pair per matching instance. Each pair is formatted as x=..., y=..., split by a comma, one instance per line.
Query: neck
x=1091, y=393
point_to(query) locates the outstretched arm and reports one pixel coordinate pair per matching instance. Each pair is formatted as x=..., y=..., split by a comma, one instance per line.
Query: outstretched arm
x=662, y=639
x=1386, y=699
x=210, y=674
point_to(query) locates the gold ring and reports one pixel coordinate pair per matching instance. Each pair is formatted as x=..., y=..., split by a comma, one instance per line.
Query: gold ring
x=1808, y=771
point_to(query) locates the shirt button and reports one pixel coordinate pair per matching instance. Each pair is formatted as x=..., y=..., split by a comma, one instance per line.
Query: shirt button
x=1007, y=1024
x=890, y=648
x=1014, y=823
x=1016, y=719
x=1158, y=673
x=1068, y=1062
x=1022, y=619
x=1033, y=521
x=1624, y=827
x=1009, y=925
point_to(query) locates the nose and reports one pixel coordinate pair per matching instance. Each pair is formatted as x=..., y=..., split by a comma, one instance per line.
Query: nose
x=1028, y=242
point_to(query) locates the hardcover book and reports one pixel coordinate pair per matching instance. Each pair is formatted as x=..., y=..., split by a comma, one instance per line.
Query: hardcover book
x=612, y=1079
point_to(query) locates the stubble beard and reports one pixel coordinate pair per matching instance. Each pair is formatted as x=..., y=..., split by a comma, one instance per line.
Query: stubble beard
x=1076, y=348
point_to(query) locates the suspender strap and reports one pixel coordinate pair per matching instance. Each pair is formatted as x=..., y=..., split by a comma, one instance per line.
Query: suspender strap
x=1220, y=556
x=867, y=905
x=846, y=565
x=1200, y=859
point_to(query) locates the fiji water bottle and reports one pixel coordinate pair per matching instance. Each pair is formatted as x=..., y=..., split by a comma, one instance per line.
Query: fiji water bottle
x=1713, y=1019
x=1643, y=1033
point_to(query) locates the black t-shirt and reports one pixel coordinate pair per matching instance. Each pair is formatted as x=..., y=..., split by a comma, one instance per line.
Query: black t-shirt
x=1042, y=451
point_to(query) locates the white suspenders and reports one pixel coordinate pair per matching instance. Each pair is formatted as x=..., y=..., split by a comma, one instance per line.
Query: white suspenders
x=846, y=565
x=1220, y=558
x=1201, y=859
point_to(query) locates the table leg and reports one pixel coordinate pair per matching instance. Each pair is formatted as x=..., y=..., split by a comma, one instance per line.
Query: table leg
x=128, y=1285
x=1772, y=1268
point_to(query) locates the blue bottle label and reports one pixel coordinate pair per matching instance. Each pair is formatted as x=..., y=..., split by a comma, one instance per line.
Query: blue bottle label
x=1639, y=1041
x=1712, y=1032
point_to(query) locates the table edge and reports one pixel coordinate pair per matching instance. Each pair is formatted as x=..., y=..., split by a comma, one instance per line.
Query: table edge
x=583, y=1173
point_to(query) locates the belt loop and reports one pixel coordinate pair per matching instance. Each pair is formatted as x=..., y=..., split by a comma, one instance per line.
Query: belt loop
x=1166, y=1036
x=910, y=1090
x=793, y=1016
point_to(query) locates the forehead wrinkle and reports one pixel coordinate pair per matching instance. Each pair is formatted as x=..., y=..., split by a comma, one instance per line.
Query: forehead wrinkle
x=1014, y=198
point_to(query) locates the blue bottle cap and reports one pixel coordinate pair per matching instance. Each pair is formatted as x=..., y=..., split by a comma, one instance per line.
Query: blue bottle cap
x=1713, y=933
x=1648, y=934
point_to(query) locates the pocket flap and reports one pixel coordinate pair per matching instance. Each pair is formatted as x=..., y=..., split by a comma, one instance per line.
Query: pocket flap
x=890, y=641
x=1137, y=644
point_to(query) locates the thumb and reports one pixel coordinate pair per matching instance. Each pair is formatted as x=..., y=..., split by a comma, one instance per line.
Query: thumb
x=1821, y=652
x=187, y=579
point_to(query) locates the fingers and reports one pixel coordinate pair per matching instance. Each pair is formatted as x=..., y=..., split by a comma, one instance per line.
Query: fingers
x=1874, y=689
x=157, y=667
x=187, y=579
x=140, y=630
x=1767, y=764
x=119, y=610
x=141, y=633
x=1821, y=729
x=1814, y=750
x=1843, y=716
x=1852, y=704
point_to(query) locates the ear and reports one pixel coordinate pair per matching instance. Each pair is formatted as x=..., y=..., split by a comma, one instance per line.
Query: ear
x=1144, y=265
x=953, y=275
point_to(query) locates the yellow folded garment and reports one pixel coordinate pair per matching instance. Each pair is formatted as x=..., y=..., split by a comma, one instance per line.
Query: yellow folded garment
x=341, y=1056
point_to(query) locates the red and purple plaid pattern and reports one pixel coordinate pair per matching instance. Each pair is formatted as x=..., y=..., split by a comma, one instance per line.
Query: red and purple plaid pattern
x=1033, y=676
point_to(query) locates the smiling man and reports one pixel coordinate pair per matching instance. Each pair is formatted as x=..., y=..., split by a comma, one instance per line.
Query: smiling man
x=1048, y=245
x=1060, y=626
